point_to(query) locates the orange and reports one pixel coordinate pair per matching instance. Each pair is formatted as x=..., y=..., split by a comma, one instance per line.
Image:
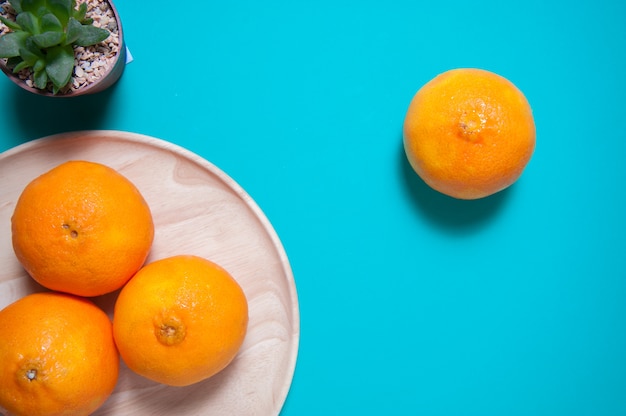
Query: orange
x=469, y=133
x=57, y=356
x=82, y=228
x=180, y=320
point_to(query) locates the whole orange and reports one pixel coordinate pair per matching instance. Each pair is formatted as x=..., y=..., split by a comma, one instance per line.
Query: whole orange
x=82, y=228
x=469, y=133
x=180, y=320
x=57, y=356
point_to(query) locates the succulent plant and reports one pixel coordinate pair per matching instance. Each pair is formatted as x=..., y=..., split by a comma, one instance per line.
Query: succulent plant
x=43, y=37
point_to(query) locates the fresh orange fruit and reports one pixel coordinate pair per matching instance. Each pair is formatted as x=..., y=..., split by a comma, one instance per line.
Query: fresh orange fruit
x=57, y=356
x=82, y=228
x=180, y=320
x=469, y=133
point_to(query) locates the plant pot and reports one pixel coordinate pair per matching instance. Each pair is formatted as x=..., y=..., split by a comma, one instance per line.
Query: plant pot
x=107, y=78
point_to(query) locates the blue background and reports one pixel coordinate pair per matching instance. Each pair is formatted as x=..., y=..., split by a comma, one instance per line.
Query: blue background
x=411, y=302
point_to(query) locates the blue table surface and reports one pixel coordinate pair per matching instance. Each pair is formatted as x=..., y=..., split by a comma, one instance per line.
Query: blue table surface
x=411, y=302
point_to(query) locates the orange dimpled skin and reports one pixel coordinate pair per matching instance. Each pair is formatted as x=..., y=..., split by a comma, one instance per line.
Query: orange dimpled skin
x=82, y=228
x=57, y=356
x=180, y=320
x=469, y=133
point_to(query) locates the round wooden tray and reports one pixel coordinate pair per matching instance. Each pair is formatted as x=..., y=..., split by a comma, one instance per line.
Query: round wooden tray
x=197, y=210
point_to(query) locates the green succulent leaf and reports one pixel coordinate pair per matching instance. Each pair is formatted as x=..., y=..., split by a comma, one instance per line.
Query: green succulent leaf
x=60, y=64
x=80, y=13
x=41, y=79
x=28, y=22
x=11, y=43
x=84, y=35
x=73, y=31
x=32, y=47
x=52, y=33
x=32, y=6
x=10, y=24
x=62, y=9
x=48, y=39
x=49, y=22
x=20, y=66
x=30, y=55
x=40, y=65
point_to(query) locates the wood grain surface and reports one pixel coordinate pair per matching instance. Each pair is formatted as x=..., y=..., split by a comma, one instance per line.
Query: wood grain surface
x=197, y=210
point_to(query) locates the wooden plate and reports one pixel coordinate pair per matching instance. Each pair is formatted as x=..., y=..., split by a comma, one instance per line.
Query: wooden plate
x=197, y=210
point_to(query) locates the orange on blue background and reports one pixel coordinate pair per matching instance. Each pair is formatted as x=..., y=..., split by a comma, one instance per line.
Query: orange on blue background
x=410, y=302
